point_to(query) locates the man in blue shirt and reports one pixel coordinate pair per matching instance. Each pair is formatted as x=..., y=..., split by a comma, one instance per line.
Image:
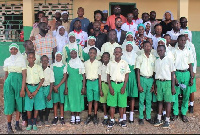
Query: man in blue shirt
x=84, y=21
x=121, y=34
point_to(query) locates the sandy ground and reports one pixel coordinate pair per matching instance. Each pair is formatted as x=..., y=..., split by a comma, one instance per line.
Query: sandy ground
x=177, y=127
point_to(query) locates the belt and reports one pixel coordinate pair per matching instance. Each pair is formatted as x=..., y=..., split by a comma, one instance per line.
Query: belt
x=105, y=82
x=163, y=80
x=182, y=70
x=45, y=86
x=92, y=79
x=33, y=84
x=117, y=82
x=147, y=76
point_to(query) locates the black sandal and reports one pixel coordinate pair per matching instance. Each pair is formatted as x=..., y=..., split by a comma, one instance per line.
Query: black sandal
x=184, y=118
x=174, y=117
x=72, y=122
x=78, y=121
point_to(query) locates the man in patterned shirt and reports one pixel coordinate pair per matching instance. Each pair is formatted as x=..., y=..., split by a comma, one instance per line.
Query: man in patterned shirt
x=44, y=43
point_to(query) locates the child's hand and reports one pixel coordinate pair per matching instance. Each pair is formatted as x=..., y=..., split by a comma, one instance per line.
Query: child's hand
x=66, y=91
x=29, y=94
x=140, y=89
x=83, y=91
x=123, y=90
x=101, y=93
x=55, y=89
x=173, y=91
x=49, y=97
x=155, y=90
x=176, y=82
x=22, y=93
x=112, y=92
x=191, y=82
x=152, y=88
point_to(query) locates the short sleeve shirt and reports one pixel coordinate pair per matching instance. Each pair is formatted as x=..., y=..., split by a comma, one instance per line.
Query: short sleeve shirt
x=34, y=74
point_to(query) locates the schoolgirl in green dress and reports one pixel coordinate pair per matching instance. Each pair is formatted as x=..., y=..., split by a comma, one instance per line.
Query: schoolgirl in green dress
x=58, y=97
x=130, y=56
x=14, y=85
x=74, y=93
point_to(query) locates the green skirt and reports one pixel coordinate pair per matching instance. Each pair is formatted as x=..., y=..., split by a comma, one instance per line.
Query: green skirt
x=131, y=86
x=74, y=101
x=12, y=88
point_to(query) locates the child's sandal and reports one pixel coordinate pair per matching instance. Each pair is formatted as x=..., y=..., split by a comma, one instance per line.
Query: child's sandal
x=72, y=122
x=78, y=121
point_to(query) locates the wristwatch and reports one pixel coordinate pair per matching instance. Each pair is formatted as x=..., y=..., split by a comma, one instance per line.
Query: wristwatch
x=192, y=77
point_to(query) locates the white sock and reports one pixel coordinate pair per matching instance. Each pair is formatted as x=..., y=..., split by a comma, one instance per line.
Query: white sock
x=131, y=116
x=61, y=117
x=105, y=117
x=120, y=120
x=56, y=117
x=167, y=119
x=124, y=116
x=144, y=108
x=112, y=120
x=159, y=117
x=192, y=103
x=73, y=118
x=77, y=118
x=164, y=112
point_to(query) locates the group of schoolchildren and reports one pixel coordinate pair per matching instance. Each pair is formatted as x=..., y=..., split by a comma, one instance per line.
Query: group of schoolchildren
x=108, y=76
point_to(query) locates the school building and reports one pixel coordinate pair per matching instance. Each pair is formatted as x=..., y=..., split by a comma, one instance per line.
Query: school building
x=18, y=16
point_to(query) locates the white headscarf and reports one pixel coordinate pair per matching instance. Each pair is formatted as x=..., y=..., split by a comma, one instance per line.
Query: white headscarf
x=15, y=60
x=172, y=17
x=77, y=63
x=86, y=49
x=72, y=45
x=61, y=40
x=58, y=64
x=129, y=57
x=135, y=47
x=146, y=25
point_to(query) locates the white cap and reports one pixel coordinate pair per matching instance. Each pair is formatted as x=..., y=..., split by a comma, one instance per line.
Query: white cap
x=105, y=11
x=64, y=12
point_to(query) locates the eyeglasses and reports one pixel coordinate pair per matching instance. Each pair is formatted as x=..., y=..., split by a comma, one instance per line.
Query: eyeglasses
x=130, y=15
x=118, y=21
x=117, y=8
x=98, y=15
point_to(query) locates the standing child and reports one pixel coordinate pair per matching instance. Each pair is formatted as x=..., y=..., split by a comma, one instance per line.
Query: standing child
x=130, y=56
x=167, y=37
x=75, y=87
x=145, y=69
x=184, y=76
x=61, y=38
x=29, y=47
x=34, y=94
x=117, y=76
x=110, y=46
x=59, y=70
x=93, y=72
x=71, y=45
x=90, y=43
x=14, y=85
x=104, y=84
x=165, y=84
x=47, y=87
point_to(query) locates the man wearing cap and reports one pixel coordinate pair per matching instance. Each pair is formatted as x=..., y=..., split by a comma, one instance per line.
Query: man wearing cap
x=65, y=21
x=84, y=21
x=53, y=22
x=111, y=19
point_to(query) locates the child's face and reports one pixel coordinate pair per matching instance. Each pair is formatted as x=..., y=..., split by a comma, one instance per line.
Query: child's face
x=148, y=27
x=45, y=61
x=117, y=53
x=58, y=57
x=141, y=30
x=182, y=41
x=105, y=58
x=129, y=48
x=147, y=47
x=129, y=38
x=13, y=51
x=92, y=54
x=57, y=24
x=186, y=36
x=112, y=36
x=31, y=58
x=158, y=30
x=168, y=39
x=72, y=39
x=61, y=31
x=91, y=42
x=30, y=46
x=73, y=54
x=161, y=51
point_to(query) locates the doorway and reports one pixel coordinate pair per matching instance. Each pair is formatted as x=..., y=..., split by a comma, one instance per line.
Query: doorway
x=125, y=7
